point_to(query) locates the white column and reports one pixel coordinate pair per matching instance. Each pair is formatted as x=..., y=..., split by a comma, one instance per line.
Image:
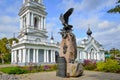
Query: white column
x=20, y=23
x=32, y=24
x=24, y=55
x=47, y=56
x=97, y=55
x=34, y=55
x=28, y=19
x=19, y=55
x=28, y=55
x=53, y=56
x=37, y=55
x=103, y=56
x=15, y=54
x=12, y=54
x=41, y=22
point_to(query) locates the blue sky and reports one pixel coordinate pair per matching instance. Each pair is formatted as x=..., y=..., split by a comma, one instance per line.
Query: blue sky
x=105, y=26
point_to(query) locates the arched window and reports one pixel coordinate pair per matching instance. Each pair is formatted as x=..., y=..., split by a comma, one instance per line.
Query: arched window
x=36, y=0
x=36, y=23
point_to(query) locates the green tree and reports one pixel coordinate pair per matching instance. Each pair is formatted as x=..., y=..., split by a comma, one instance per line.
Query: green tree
x=116, y=9
x=114, y=52
x=5, y=51
x=11, y=41
x=106, y=52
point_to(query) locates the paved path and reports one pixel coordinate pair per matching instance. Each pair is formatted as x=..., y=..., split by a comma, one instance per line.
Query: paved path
x=88, y=75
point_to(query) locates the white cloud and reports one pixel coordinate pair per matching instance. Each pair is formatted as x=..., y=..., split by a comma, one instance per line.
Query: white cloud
x=85, y=12
x=105, y=24
x=9, y=19
x=8, y=26
x=93, y=12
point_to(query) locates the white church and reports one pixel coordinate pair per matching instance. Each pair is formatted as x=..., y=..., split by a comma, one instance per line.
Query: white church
x=33, y=46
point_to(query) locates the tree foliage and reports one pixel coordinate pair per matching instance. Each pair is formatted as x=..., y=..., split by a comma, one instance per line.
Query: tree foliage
x=114, y=51
x=116, y=9
x=4, y=51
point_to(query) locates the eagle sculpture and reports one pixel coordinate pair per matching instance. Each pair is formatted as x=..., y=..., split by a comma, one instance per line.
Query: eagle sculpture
x=64, y=19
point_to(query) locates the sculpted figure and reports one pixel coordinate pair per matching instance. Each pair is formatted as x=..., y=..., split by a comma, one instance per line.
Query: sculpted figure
x=68, y=44
x=64, y=19
x=68, y=48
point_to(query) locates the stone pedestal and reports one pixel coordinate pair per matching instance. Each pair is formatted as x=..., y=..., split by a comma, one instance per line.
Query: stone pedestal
x=74, y=69
x=68, y=48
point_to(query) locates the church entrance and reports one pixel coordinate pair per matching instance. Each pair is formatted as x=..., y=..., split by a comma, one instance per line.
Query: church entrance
x=31, y=55
x=40, y=55
x=56, y=56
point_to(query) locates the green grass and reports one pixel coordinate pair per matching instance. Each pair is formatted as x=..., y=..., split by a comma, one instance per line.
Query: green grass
x=13, y=70
x=28, y=69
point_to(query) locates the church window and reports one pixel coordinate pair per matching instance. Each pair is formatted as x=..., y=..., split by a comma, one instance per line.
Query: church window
x=36, y=23
x=37, y=40
x=26, y=1
x=36, y=0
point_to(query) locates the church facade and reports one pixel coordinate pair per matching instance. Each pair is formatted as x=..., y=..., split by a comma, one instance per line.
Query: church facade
x=33, y=46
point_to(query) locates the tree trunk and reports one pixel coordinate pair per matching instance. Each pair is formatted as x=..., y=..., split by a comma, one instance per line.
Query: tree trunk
x=2, y=59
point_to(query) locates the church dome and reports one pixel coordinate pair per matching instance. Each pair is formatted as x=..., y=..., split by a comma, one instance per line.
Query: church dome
x=52, y=38
x=89, y=32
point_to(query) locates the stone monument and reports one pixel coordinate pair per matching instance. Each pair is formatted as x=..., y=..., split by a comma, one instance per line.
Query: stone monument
x=68, y=47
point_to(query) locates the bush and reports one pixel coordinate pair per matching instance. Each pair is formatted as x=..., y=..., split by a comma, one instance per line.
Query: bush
x=13, y=70
x=89, y=65
x=109, y=66
x=100, y=66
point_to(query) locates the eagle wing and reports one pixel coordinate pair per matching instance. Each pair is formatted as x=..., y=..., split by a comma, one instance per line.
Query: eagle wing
x=67, y=14
x=64, y=18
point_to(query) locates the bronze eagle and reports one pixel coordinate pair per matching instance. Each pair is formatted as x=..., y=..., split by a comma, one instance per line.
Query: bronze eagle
x=64, y=18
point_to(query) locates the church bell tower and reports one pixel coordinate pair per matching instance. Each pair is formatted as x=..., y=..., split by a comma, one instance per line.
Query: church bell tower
x=32, y=21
